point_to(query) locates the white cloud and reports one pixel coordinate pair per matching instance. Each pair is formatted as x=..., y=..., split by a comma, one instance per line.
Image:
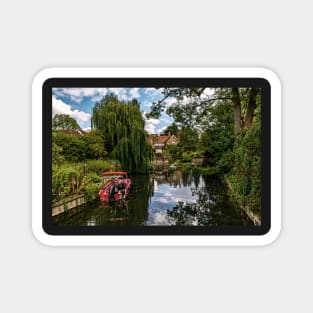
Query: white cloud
x=153, y=92
x=166, y=119
x=150, y=124
x=146, y=104
x=59, y=107
x=208, y=92
x=134, y=93
x=87, y=129
x=162, y=129
x=159, y=218
x=77, y=94
x=169, y=101
x=121, y=93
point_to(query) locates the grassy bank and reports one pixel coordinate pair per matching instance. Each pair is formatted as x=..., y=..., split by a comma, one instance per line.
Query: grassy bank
x=72, y=178
x=248, y=204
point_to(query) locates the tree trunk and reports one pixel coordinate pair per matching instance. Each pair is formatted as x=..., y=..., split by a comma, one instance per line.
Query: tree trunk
x=237, y=110
x=251, y=107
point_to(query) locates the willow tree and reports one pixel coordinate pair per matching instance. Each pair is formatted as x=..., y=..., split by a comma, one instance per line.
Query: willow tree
x=123, y=127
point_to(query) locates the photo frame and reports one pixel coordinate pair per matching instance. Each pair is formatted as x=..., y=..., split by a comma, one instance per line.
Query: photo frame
x=124, y=231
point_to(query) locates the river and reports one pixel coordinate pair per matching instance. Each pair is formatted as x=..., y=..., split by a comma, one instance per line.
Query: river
x=181, y=197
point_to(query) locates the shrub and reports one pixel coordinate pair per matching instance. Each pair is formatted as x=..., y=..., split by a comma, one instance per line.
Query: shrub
x=246, y=173
x=187, y=157
x=91, y=191
x=99, y=166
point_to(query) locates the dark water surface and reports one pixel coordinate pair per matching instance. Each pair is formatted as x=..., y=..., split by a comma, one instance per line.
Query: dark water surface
x=183, y=197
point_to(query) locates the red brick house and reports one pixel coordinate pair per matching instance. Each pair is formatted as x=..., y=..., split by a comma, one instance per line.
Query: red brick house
x=159, y=143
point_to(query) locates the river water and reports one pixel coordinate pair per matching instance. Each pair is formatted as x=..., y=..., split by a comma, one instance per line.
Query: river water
x=181, y=197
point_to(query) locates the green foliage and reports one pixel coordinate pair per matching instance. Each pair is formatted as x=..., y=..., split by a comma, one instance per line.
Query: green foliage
x=74, y=148
x=180, y=94
x=207, y=170
x=91, y=191
x=95, y=144
x=57, y=157
x=230, y=132
x=70, y=179
x=77, y=148
x=197, y=154
x=226, y=162
x=63, y=121
x=99, y=166
x=217, y=137
x=174, y=152
x=93, y=178
x=65, y=181
x=186, y=157
x=246, y=172
x=173, y=129
x=122, y=126
x=188, y=139
x=185, y=115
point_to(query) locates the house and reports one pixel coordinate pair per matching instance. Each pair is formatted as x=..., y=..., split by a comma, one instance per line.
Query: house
x=159, y=142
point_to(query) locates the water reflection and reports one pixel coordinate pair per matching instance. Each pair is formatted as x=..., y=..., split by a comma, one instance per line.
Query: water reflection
x=180, y=197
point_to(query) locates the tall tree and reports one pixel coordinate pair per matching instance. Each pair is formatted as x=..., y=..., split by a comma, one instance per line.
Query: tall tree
x=244, y=101
x=64, y=121
x=95, y=144
x=122, y=125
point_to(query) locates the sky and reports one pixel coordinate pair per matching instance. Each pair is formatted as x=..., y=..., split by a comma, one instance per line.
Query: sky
x=79, y=102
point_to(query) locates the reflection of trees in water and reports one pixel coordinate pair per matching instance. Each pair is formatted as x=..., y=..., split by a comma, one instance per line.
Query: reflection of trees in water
x=173, y=178
x=196, y=177
x=187, y=177
x=211, y=208
x=95, y=213
x=139, y=198
x=179, y=177
x=211, y=205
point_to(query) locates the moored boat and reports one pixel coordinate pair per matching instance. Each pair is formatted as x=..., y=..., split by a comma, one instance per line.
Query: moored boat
x=115, y=186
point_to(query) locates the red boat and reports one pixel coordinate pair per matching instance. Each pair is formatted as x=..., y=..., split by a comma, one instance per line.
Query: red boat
x=115, y=186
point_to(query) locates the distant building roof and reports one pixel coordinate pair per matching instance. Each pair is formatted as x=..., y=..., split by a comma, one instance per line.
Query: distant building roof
x=77, y=132
x=157, y=140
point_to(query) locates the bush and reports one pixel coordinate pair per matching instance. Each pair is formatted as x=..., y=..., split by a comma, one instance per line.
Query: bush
x=246, y=173
x=226, y=162
x=99, y=166
x=187, y=157
x=65, y=181
x=93, y=178
x=74, y=178
x=91, y=191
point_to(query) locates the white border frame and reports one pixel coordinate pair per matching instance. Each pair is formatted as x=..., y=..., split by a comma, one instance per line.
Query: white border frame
x=202, y=240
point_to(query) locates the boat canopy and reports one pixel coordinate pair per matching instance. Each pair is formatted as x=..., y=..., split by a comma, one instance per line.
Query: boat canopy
x=113, y=173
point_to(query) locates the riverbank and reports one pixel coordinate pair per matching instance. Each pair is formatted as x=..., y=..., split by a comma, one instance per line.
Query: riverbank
x=254, y=217
x=71, y=179
x=182, y=197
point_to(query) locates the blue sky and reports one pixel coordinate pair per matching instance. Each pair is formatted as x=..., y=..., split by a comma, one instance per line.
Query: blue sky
x=78, y=103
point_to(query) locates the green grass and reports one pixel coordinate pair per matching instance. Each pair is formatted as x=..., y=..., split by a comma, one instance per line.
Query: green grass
x=72, y=178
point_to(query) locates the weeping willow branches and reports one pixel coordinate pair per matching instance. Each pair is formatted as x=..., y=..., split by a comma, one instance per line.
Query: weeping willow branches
x=123, y=127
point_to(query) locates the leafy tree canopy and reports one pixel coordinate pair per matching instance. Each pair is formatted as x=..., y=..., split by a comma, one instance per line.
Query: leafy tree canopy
x=96, y=144
x=122, y=126
x=64, y=121
x=172, y=128
x=192, y=107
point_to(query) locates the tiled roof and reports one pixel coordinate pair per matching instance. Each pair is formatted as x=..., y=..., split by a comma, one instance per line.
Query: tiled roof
x=161, y=140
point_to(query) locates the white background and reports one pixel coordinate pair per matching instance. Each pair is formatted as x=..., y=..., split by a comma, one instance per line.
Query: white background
x=39, y=34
